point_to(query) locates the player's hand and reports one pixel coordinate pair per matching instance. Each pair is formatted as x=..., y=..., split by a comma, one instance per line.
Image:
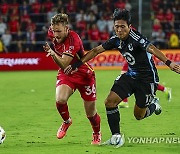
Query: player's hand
x=69, y=70
x=48, y=49
x=175, y=67
x=73, y=68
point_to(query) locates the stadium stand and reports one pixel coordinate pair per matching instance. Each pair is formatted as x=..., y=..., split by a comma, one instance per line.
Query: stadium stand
x=166, y=23
x=25, y=23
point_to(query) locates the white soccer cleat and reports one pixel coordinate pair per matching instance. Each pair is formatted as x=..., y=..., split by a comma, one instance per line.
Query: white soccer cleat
x=2, y=135
x=108, y=142
x=118, y=140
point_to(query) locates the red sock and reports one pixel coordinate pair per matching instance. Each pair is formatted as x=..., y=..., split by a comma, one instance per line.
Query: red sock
x=125, y=100
x=95, y=122
x=63, y=110
x=160, y=87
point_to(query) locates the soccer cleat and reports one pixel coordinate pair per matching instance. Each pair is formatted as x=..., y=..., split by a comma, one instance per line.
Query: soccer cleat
x=63, y=129
x=158, y=109
x=96, y=138
x=118, y=140
x=121, y=142
x=124, y=105
x=168, y=94
x=108, y=142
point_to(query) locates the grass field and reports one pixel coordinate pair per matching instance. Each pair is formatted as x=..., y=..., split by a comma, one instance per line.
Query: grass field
x=30, y=119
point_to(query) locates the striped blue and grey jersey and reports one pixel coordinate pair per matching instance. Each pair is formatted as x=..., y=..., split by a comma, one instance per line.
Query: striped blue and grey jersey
x=134, y=50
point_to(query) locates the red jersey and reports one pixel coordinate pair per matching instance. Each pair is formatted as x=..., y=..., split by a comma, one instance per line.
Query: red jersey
x=156, y=28
x=13, y=26
x=4, y=8
x=94, y=34
x=73, y=47
x=125, y=66
x=120, y=5
x=169, y=17
x=36, y=7
x=48, y=5
x=104, y=35
x=160, y=16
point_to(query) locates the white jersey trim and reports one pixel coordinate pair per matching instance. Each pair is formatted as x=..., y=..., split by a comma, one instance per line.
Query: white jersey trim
x=134, y=36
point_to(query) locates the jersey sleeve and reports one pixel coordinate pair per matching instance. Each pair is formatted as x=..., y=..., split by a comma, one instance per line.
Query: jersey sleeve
x=109, y=44
x=139, y=39
x=143, y=42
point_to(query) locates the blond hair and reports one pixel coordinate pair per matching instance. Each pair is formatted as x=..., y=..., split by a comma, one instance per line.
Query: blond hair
x=60, y=18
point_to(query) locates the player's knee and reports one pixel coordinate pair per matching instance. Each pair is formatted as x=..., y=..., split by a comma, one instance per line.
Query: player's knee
x=91, y=114
x=109, y=103
x=138, y=117
x=61, y=100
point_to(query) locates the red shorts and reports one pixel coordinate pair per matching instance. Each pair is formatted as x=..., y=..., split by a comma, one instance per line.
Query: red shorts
x=86, y=85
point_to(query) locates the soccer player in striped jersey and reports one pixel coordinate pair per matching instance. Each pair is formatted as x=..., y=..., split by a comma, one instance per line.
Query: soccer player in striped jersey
x=68, y=49
x=141, y=79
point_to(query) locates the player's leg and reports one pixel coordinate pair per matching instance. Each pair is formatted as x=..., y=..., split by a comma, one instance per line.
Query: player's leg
x=166, y=90
x=112, y=111
x=139, y=113
x=63, y=92
x=94, y=119
x=160, y=87
x=146, y=103
x=88, y=93
x=113, y=116
x=121, y=89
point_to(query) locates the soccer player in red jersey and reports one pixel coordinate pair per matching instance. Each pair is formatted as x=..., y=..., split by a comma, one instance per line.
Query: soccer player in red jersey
x=160, y=87
x=68, y=48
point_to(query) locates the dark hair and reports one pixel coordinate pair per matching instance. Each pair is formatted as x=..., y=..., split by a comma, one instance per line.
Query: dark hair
x=60, y=18
x=122, y=15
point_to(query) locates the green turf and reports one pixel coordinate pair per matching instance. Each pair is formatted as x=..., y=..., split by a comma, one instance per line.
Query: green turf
x=29, y=117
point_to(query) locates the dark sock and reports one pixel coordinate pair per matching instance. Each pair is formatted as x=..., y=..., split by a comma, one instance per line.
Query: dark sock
x=95, y=123
x=113, y=117
x=150, y=109
x=63, y=110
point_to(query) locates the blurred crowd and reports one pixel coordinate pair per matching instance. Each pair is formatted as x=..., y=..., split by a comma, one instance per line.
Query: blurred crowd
x=166, y=23
x=24, y=24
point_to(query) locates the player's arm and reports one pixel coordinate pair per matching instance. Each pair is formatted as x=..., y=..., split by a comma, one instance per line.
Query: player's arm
x=62, y=62
x=92, y=53
x=88, y=56
x=156, y=52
